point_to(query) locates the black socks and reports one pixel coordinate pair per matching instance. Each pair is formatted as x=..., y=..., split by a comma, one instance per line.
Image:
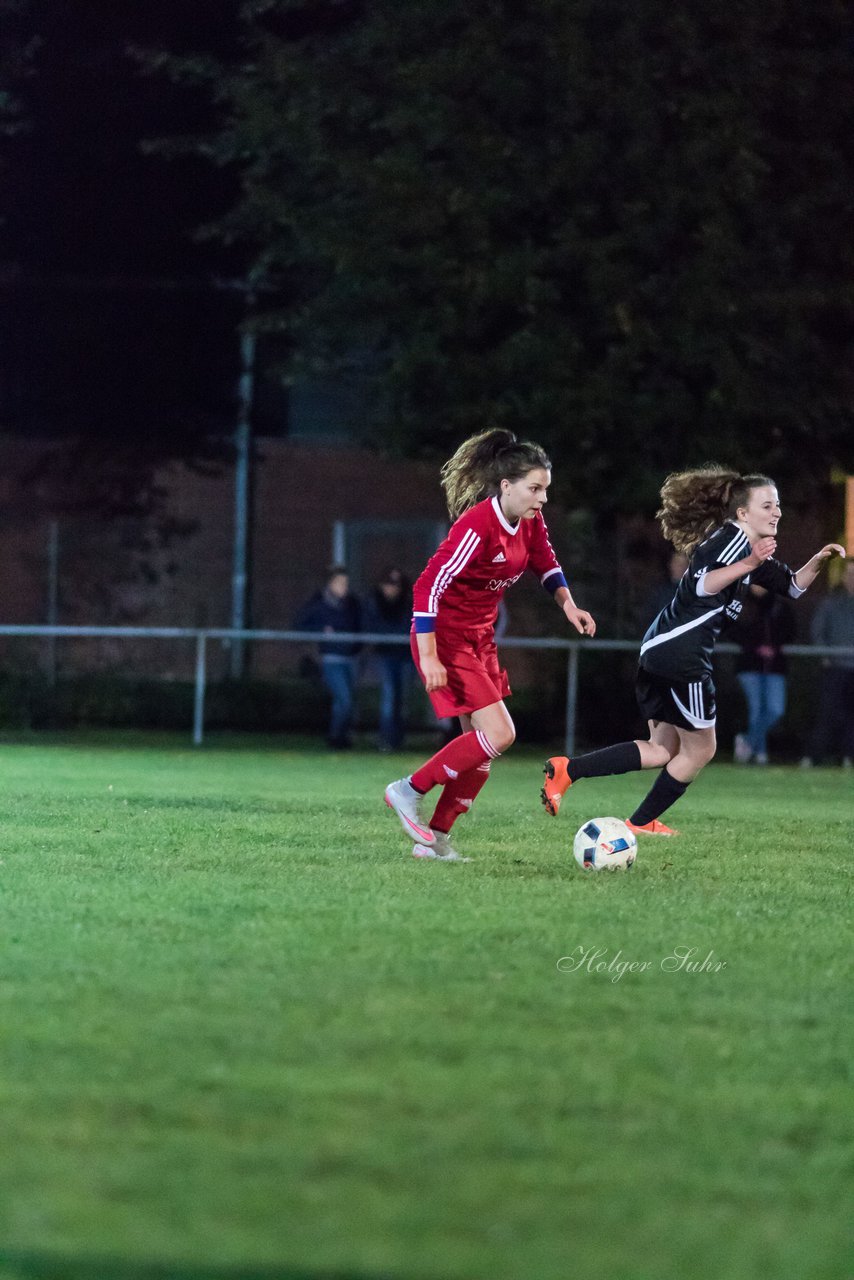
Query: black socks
x=664, y=792
x=623, y=758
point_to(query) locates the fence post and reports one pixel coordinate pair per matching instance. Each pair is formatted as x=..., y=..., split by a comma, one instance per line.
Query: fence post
x=571, y=699
x=52, y=596
x=199, y=703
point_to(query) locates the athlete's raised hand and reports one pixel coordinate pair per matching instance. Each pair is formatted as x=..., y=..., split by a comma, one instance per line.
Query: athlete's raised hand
x=832, y=549
x=761, y=551
x=813, y=566
x=580, y=619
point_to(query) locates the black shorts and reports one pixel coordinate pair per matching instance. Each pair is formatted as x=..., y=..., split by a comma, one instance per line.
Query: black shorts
x=688, y=706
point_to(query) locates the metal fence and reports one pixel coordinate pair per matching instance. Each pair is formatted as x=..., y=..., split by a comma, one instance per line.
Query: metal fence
x=200, y=637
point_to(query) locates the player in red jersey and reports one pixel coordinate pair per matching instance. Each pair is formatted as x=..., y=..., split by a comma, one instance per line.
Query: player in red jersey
x=496, y=487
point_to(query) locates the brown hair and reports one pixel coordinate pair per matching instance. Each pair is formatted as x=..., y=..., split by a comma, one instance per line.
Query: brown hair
x=693, y=503
x=480, y=464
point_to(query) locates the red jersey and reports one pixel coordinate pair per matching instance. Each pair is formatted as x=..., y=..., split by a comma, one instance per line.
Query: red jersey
x=481, y=557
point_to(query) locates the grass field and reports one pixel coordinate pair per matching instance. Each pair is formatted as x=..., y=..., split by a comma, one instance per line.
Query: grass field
x=244, y=1033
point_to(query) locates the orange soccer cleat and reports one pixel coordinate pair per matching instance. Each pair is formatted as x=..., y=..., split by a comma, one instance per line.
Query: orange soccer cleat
x=654, y=828
x=557, y=782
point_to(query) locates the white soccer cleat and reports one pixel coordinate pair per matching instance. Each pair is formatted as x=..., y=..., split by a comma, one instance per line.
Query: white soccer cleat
x=441, y=850
x=404, y=799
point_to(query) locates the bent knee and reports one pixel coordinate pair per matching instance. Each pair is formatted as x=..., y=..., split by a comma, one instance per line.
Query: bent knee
x=501, y=736
x=504, y=740
x=703, y=752
x=654, y=755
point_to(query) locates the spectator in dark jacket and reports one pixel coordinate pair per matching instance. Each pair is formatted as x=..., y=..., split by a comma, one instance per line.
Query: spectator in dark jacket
x=765, y=625
x=331, y=610
x=388, y=612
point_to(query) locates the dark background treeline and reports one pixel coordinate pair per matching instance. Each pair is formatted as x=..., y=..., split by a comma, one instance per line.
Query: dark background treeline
x=622, y=228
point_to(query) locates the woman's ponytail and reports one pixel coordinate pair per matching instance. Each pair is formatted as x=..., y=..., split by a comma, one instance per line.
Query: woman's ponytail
x=693, y=503
x=477, y=468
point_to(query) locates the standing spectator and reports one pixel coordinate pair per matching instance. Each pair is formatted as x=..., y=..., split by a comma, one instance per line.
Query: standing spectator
x=764, y=626
x=833, y=624
x=329, y=610
x=388, y=611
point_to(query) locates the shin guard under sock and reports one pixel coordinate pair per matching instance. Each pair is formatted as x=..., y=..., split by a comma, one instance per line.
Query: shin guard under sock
x=664, y=792
x=458, y=796
x=458, y=757
x=625, y=757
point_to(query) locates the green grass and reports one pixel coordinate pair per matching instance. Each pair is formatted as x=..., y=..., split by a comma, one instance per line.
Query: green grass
x=242, y=1029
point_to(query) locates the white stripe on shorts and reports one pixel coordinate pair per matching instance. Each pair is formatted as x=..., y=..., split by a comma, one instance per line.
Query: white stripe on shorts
x=696, y=721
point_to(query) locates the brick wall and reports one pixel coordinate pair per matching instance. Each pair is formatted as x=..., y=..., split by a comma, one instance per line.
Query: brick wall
x=126, y=572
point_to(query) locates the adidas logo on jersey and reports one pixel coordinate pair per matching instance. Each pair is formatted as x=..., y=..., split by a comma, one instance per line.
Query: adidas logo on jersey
x=500, y=558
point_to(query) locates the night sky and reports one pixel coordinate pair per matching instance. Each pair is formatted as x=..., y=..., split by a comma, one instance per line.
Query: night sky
x=110, y=322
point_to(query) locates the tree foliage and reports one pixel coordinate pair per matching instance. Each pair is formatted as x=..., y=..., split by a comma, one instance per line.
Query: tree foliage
x=16, y=50
x=112, y=333
x=622, y=228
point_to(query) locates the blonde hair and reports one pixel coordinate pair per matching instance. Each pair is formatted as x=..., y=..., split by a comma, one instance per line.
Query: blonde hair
x=693, y=503
x=480, y=464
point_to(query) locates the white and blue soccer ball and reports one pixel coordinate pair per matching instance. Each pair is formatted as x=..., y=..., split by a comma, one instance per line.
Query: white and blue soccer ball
x=605, y=844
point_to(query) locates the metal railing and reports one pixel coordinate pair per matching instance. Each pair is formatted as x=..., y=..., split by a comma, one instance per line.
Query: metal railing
x=201, y=636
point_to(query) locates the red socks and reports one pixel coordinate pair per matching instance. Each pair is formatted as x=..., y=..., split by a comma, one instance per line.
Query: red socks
x=458, y=796
x=460, y=756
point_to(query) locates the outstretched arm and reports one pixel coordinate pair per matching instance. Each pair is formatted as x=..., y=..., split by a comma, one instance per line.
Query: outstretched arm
x=810, y=570
x=580, y=618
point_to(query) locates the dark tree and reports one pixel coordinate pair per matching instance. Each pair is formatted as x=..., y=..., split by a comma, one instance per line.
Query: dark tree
x=17, y=47
x=623, y=228
x=113, y=334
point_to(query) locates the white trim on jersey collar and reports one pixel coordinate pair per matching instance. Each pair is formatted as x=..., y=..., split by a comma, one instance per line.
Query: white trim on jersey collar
x=502, y=519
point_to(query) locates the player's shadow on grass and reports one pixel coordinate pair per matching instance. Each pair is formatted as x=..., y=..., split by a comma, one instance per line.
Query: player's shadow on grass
x=33, y=1266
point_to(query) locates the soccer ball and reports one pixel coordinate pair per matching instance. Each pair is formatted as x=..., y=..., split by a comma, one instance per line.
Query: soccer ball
x=605, y=844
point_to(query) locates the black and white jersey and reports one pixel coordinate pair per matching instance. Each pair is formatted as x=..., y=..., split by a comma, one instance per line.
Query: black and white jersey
x=680, y=642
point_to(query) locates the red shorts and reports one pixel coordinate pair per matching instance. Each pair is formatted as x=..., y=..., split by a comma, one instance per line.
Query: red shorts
x=475, y=679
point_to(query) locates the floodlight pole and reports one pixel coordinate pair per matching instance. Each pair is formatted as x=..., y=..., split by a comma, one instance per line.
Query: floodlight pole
x=52, y=596
x=242, y=487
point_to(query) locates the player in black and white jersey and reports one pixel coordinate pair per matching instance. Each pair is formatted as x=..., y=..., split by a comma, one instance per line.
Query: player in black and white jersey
x=727, y=525
x=682, y=638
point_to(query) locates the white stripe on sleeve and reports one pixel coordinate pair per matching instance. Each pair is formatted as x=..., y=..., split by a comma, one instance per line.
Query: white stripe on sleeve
x=458, y=561
x=734, y=550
